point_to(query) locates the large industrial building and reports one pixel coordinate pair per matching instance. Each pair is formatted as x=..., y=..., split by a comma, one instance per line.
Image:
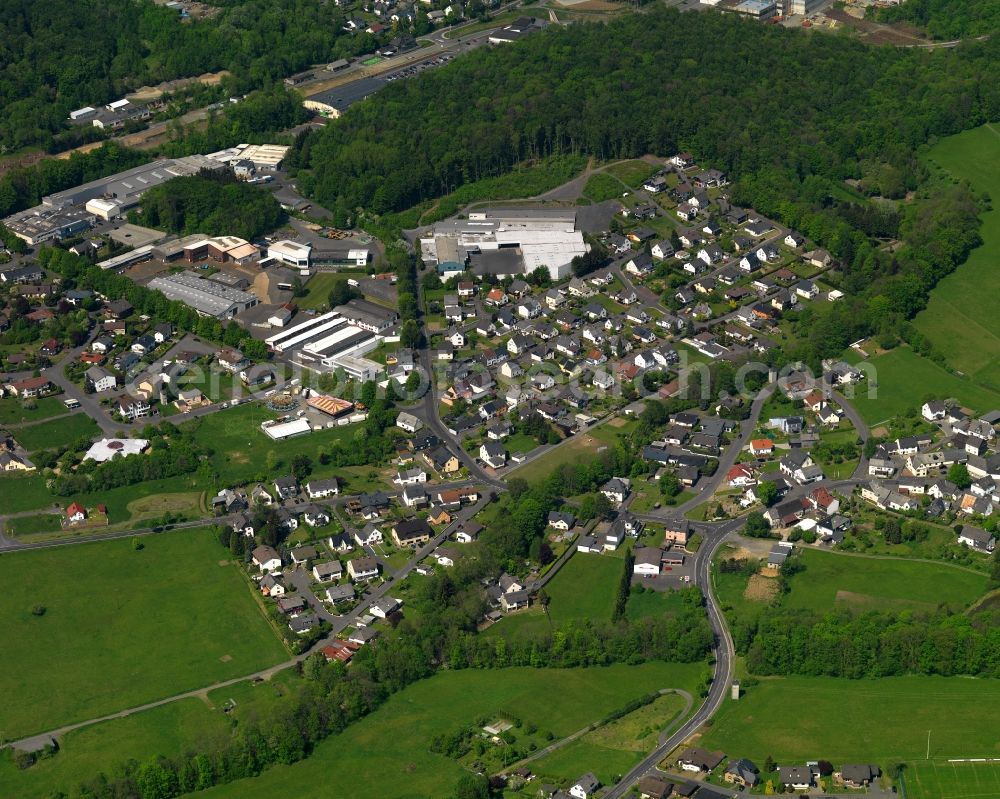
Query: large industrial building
x=511, y=240
x=331, y=341
x=207, y=297
x=45, y=224
x=264, y=157
x=126, y=188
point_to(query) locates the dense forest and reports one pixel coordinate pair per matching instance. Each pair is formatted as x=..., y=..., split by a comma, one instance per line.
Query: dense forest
x=945, y=19
x=254, y=119
x=215, y=204
x=60, y=55
x=790, y=116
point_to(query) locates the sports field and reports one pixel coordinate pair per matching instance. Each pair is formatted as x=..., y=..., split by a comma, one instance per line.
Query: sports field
x=122, y=627
x=803, y=718
x=961, y=319
x=387, y=754
x=939, y=779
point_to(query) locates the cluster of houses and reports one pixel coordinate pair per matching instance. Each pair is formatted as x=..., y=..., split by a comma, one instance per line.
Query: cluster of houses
x=744, y=774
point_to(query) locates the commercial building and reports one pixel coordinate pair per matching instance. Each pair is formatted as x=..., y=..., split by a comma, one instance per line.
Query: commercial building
x=513, y=241
x=762, y=10
x=291, y=253
x=518, y=29
x=340, y=256
x=329, y=341
x=43, y=224
x=368, y=315
x=207, y=297
x=222, y=249
x=126, y=188
x=264, y=157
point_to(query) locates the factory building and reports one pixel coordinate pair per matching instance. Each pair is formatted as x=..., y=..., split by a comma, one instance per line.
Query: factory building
x=513, y=241
x=329, y=341
x=207, y=297
x=45, y=224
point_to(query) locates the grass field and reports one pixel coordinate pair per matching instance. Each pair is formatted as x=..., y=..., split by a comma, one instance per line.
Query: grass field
x=122, y=627
x=652, y=603
x=962, y=307
x=905, y=379
x=66, y=430
x=388, y=751
x=19, y=493
x=318, y=290
x=793, y=719
x=930, y=779
x=863, y=583
x=632, y=172
x=612, y=750
x=12, y=412
x=582, y=445
x=168, y=730
x=241, y=447
x=601, y=186
x=834, y=580
x=28, y=525
x=584, y=588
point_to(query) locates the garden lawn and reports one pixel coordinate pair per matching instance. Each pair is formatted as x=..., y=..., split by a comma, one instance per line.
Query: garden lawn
x=938, y=779
x=960, y=318
x=584, y=588
x=318, y=290
x=387, y=754
x=123, y=627
x=613, y=749
x=862, y=721
x=67, y=430
x=905, y=379
x=861, y=583
x=12, y=412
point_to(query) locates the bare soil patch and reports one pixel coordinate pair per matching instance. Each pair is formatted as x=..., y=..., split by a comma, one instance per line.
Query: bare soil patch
x=761, y=589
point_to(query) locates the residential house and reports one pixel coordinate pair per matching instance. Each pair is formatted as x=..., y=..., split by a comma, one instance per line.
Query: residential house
x=319, y=489
x=132, y=408
x=328, y=571
x=411, y=533
x=977, y=539
x=585, y=787
x=616, y=489
x=369, y=535
x=266, y=559
x=857, y=776
x=362, y=569
x=286, y=487
x=493, y=454
x=798, y=778
x=699, y=760
x=742, y=772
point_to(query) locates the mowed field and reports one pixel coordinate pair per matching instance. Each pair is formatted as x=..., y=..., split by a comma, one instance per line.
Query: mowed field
x=834, y=579
x=961, y=319
x=582, y=446
x=905, y=379
x=123, y=627
x=935, y=779
x=65, y=430
x=793, y=719
x=387, y=754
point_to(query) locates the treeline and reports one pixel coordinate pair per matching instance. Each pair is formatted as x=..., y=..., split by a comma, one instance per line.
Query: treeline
x=873, y=644
x=215, y=204
x=175, y=460
x=944, y=19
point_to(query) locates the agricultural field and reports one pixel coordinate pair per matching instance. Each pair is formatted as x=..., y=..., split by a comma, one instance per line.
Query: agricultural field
x=613, y=749
x=936, y=779
x=905, y=379
x=67, y=429
x=390, y=747
x=881, y=721
x=960, y=311
x=172, y=616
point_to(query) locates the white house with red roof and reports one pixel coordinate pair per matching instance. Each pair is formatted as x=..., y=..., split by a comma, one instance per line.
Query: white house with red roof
x=740, y=476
